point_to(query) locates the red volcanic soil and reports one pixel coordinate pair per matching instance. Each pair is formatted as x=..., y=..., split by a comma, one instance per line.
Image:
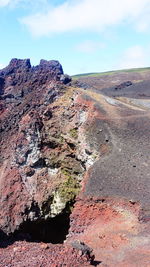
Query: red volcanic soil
x=42, y=254
x=75, y=168
x=112, y=229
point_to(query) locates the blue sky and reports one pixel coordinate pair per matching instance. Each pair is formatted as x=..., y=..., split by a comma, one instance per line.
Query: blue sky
x=84, y=35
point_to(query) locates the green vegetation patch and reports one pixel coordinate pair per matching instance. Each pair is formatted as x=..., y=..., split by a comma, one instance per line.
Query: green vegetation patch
x=69, y=189
x=74, y=133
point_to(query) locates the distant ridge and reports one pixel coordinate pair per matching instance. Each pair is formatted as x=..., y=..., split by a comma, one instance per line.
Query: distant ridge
x=93, y=74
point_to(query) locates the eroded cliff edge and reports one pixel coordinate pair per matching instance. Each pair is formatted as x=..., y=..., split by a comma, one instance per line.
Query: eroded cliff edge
x=59, y=141
x=43, y=156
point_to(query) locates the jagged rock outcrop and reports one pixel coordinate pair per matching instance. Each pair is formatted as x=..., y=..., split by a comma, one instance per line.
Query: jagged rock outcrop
x=19, y=77
x=44, y=157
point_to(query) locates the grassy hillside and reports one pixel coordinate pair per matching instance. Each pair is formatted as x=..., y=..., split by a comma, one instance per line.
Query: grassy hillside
x=95, y=74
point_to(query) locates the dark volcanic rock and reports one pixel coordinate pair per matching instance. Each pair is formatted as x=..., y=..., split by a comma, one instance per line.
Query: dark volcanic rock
x=65, y=78
x=2, y=81
x=42, y=161
x=19, y=75
x=16, y=65
x=24, y=89
x=52, y=65
x=123, y=85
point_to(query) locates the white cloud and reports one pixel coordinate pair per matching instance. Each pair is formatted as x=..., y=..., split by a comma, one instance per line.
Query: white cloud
x=89, y=46
x=91, y=15
x=4, y=2
x=134, y=57
x=143, y=24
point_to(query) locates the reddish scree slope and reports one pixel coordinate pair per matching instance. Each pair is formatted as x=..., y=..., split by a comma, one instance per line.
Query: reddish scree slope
x=62, y=137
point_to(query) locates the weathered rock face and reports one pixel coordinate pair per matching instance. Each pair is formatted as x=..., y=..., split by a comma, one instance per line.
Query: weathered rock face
x=19, y=77
x=1, y=85
x=44, y=157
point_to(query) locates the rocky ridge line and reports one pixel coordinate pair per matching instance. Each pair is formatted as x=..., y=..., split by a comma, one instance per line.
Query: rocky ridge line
x=46, y=155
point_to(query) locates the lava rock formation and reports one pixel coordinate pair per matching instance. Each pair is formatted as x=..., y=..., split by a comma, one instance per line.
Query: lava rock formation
x=74, y=167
